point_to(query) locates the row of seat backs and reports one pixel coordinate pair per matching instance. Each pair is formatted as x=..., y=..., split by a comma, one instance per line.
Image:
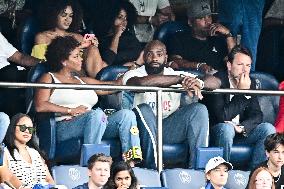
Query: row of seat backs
x=73, y=175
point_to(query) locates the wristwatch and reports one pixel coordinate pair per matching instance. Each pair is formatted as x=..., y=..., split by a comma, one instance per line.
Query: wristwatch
x=244, y=133
x=228, y=35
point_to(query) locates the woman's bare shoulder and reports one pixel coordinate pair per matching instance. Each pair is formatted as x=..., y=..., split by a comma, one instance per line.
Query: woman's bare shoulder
x=44, y=37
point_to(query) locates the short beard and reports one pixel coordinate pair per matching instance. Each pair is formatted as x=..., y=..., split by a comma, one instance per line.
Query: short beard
x=154, y=70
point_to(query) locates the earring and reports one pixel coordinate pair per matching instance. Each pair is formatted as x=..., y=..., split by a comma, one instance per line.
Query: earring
x=64, y=64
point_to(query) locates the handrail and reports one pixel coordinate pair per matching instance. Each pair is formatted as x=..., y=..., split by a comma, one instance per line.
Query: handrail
x=158, y=91
x=135, y=88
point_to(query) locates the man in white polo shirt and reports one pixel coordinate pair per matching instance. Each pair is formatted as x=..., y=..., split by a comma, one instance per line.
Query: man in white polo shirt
x=151, y=14
x=12, y=73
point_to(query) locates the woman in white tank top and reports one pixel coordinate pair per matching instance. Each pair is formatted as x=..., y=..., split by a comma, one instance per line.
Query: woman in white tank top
x=74, y=114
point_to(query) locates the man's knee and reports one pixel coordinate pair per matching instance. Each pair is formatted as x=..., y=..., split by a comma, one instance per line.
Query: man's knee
x=267, y=129
x=199, y=108
x=224, y=130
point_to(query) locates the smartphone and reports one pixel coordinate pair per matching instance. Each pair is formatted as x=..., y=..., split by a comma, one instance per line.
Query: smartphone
x=89, y=36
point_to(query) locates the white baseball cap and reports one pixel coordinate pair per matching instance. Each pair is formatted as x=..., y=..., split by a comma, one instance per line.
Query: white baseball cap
x=215, y=162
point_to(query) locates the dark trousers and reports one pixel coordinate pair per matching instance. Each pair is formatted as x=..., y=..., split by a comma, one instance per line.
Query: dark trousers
x=12, y=101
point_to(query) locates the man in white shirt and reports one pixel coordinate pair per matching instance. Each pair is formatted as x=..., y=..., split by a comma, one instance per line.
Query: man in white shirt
x=151, y=14
x=11, y=73
x=188, y=123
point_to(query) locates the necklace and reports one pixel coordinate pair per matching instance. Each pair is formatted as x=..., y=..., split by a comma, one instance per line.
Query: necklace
x=278, y=177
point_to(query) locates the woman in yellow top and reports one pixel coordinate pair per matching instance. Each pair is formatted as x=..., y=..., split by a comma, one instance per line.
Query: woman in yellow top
x=62, y=18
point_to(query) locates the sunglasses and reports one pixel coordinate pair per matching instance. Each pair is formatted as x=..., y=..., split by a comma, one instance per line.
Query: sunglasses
x=23, y=128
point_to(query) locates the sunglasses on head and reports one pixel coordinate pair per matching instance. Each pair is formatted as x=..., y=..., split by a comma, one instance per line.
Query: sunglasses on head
x=23, y=128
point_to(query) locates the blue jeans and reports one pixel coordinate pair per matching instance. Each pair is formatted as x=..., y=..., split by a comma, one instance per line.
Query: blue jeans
x=188, y=124
x=94, y=126
x=224, y=135
x=4, y=123
x=244, y=16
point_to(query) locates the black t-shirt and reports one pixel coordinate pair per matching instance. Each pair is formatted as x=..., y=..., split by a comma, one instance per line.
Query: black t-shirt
x=278, y=181
x=212, y=51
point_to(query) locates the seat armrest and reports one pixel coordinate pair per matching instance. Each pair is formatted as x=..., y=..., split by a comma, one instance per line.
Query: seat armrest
x=46, y=131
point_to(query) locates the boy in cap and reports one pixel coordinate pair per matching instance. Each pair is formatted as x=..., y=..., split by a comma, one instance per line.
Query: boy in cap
x=216, y=173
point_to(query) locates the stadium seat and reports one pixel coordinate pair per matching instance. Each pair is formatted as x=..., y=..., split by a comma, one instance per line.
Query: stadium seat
x=70, y=175
x=182, y=178
x=110, y=73
x=237, y=179
x=167, y=29
x=147, y=177
x=26, y=35
x=204, y=154
x=88, y=150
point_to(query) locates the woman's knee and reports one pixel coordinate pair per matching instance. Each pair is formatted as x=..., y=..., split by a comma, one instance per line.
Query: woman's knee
x=95, y=116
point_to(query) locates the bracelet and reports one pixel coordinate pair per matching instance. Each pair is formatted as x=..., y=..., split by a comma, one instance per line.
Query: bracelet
x=136, y=65
x=150, y=19
x=170, y=63
x=199, y=65
x=228, y=35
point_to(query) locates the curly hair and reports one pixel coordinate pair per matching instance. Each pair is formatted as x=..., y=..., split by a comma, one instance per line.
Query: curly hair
x=59, y=50
x=117, y=167
x=52, y=8
x=10, y=137
x=109, y=10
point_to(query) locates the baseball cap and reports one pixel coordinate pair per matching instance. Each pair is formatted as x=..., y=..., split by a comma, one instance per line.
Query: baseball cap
x=198, y=9
x=215, y=162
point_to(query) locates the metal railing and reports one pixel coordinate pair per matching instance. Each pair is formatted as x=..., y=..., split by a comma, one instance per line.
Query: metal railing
x=158, y=91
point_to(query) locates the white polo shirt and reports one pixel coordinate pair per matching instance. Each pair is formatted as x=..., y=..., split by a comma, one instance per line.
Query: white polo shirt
x=170, y=100
x=6, y=51
x=149, y=7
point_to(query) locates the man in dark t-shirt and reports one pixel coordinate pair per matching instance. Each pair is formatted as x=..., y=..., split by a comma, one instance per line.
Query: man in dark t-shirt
x=205, y=46
x=274, y=146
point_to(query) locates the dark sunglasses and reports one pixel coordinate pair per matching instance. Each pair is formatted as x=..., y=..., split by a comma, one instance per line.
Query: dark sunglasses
x=23, y=128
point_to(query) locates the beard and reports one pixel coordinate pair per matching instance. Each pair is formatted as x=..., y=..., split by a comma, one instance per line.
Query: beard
x=154, y=70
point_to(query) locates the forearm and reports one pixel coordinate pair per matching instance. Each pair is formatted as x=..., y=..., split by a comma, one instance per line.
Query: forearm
x=143, y=19
x=230, y=43
x=23, y=60
x=114, y=43
x=50, y=107
x=185, y=64
x=158, y=81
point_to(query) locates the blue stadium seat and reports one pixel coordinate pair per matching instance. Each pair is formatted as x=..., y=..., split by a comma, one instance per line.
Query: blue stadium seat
x=167, y=29
x=204, y=154
x=147, y=177
x=26, y=35
x=70, y=175
x=182, y=178
x=88, y=150
x=237, y=179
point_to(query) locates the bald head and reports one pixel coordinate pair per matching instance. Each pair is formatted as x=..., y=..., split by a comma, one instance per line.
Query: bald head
x=153, y=44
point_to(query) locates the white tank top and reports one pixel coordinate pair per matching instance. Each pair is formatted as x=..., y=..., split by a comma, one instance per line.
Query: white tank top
x=29, y=173
x=72, y=98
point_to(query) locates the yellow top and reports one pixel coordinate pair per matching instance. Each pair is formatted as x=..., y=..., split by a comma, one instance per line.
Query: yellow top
x=39, y=50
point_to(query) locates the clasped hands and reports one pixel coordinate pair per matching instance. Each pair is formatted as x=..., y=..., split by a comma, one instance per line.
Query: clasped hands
x=193, y=86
